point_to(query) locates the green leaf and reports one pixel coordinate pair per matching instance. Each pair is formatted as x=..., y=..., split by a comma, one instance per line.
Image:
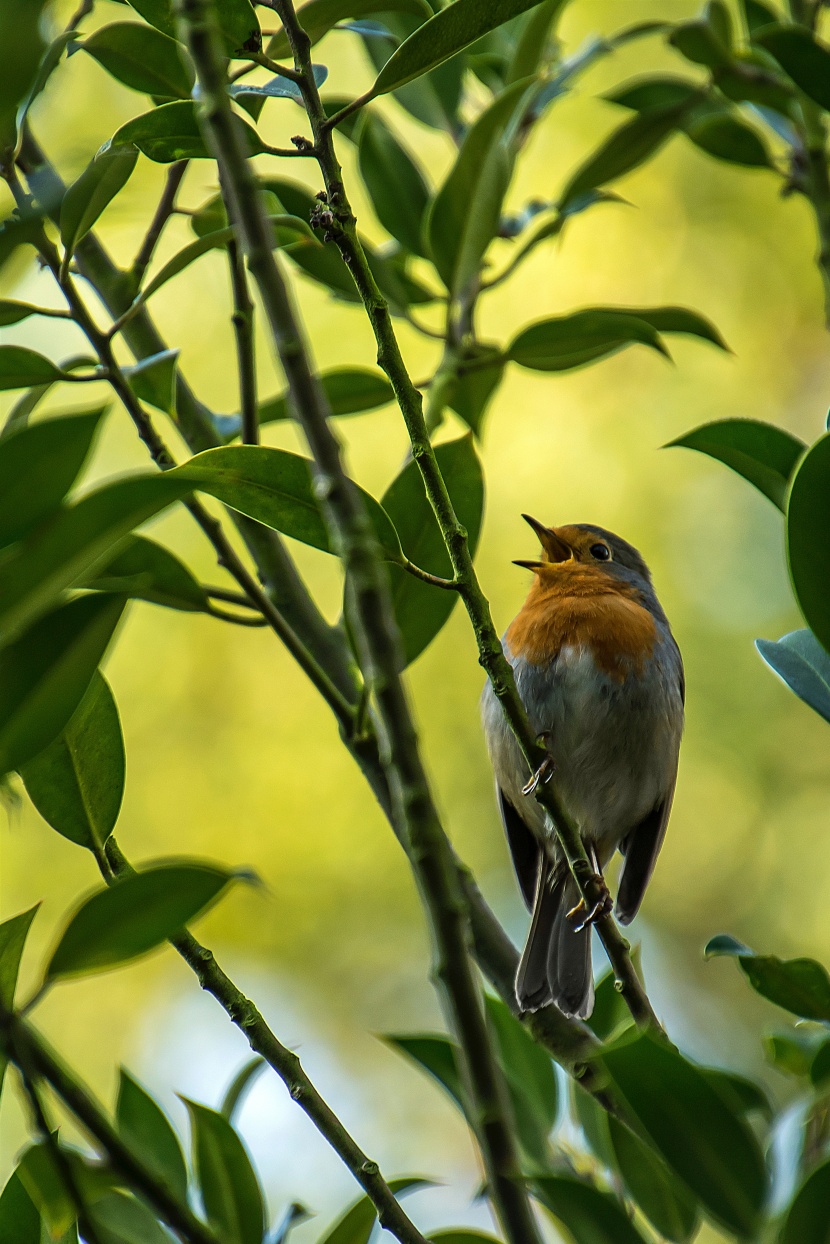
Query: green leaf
x=13, y=933
x=610, y=1010
x=278, y=87
x=803, y=664
x=20, y=367
x=356, y=1225
x=21, y=51
x=533, y=42
x=12, y=311
x=480, y=373
x=237, y=22
x=458, y=236
x=172, y=132
x=349, y=390
x=275, y=487
x=38, y=466
x=318, y=17
x=48, y=63
x=142, y=58
x=806, y=1220
x=230, y=1189
x=707, y=1144
x=94, y=190
x=395, y=183
x=438, y=1056
x=77, y=782
x=794, y=1051
x=145, y=570
x=19, y=1218
x=588, y=1214
x=741, y=1093
x=670, y=1209
x=820, y=1068
x=655, y=92
x=120, y=1219
x=676, y=320
x=153, y=380
x=801, y=986
x=727, y=138
x=763, y=454
x=462, y=1236
x=531, y=1081
x=44, y=674
x=144, y=1126
x=65, y=550
x=808, y=522
x=239, y=1086
x=451, y=30
x=45, y=1186
x=700, y=43
x=624, y=150
x=135, y=915
x=757, y=15
x=566, y=341
x=420, y=608
x=801, y=56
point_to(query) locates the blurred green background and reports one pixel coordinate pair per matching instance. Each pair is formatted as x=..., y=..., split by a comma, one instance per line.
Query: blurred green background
x=232, y=756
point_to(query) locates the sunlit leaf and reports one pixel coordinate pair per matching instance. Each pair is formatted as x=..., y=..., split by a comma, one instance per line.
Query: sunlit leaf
x=172, y=132
x=94, y=190
x=590, y=1215
x=146, y=1129
x=133, y=916
x=803, y=664
x=142, y=58
x=762, y=453
x=77, y=782
x=808, y=521
x=566, y=341
x=230, y=1189
x=801, y=986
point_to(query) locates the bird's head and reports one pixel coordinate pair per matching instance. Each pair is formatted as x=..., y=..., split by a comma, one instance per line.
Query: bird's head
x=589, y=548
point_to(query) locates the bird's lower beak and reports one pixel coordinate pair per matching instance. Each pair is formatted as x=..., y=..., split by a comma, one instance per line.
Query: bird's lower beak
x=556, y=549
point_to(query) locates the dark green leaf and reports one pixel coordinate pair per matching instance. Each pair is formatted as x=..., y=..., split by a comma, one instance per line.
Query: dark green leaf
x=462, y=1236
x=237, y=22
x=134, y=916
x=610, y=1010
x=172, y=132
x=707, y=1144
x=145, y=570
x=230, y=1189
x=356, y=1225
x=531, y=1080
x=727, y=138
x=120, y=1219
x=803, y=664
x=239, y=1086
x=142, y=58
x=48, y=62
x=420, y=608
x=396, y=185
x=146, y=1129
x=349, y=390
x=44, y=1184
x=699, y=42
x=588, y=1214
x=44, y=674
x=655, y=92
x=12, y=311
x=533, y=43
x=801, y=56
x=820, y=1069
x=20, y=230
x=480, y=373
x=808, y=522
x=449, y=31
x=19, y=1218
x=676, y=320
x=38, y=466
x=318, y=17
x=801, y=986
x=741, y=1093
x=666, y=1203
x=94, y=190
x=438, y=1056
x=806, y=1221
x=65, y=550
x=77, y=782
x=763, y=454
x=21, y=52
x=624, y=150
x=457, y=235
x=13, y=933
x=275, y=487
x=566, y=341
x=153, y=380
x=793, y=1051
x=20, y=367
x=757, y=15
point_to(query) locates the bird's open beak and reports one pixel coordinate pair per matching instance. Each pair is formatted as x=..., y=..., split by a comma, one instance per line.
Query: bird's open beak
x=555, y=547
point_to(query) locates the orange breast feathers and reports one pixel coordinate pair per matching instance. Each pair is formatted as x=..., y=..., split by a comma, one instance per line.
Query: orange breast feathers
x=581, y=607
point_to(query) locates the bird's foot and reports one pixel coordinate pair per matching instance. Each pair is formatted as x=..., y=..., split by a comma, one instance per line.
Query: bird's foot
x=581, y=916
x=546, y=769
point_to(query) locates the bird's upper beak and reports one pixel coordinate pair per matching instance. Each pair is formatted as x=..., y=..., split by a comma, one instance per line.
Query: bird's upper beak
x=556, y=549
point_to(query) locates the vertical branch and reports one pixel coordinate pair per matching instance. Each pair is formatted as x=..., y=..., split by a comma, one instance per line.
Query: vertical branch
x=370, y=608
x=162, y=214
x=243, y=328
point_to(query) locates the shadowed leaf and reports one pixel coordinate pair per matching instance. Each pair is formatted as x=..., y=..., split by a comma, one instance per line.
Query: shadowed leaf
x=801, y=986
x=590, y=1215
x=145, y=1127
x=763, y=454
x=142, y=58
x=230, y=1189
x=808, y=521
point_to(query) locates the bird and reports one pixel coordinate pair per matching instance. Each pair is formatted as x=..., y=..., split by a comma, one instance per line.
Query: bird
x=601, y=678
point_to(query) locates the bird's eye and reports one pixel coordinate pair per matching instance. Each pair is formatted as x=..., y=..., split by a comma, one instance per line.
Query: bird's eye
x=600, y=552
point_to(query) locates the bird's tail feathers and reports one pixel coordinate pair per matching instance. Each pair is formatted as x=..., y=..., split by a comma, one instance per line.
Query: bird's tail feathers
x=556, y=962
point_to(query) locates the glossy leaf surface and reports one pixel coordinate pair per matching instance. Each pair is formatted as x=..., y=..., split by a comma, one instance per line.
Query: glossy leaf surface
x=765, y=455
x=318, y=17
x=237, y=21
x=94, y=190
x=172, y=132
x=808, y=521
x=349, y=390
x=566, y=341
x=803, y=664
x=142, y=58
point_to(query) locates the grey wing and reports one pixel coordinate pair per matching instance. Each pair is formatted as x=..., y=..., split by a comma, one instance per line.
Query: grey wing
x=524, y=849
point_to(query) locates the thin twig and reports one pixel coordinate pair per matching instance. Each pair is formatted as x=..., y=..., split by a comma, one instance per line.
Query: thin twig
x=165, y=209
x=243, y=329
x=435, y=580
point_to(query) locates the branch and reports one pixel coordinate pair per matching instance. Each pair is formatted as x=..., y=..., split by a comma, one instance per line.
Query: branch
x=243, y=328
x=377, y=638
x=491, y=654
x=165, y=209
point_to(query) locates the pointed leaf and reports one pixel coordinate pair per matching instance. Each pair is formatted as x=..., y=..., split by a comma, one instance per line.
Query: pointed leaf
x=396, y=185
x=142, y=58
x=728, y=138
x=275, y=487
x=135, y=915
x=676, y=320
x=566, y=341
x=421, y=609
x=763, y=454
x=318, y=17
x=655, y=92
x=801, y=56
x=47, y=1189
x=19, y=1218
x=20, y=367
x=13, y=933
x=801, y=986
x=480, y=373
x=349, y=390
x=808, y=522
x=146, y=1129
x=121, y=1219
x=624, y=150
x=230, y=1189
x=44, y=674
x=531, y=1081
x=145, y=570
x=153, y=380
x=12, y=311
x=438, y=1056
x=88, y=196
x=794, y=1051
x=77, y=782
x=707, y=1144
x=356, y=1225
x=666, y=1203
x=588, y=1214
x=172, y=132
x=239, y=1086
x=800, y=660
x=38, y=466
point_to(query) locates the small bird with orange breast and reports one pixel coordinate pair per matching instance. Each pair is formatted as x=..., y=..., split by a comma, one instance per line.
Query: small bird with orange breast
x=601, y=679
